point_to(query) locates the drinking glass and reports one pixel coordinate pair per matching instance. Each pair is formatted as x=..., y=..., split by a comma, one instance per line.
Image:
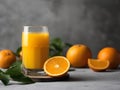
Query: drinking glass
x=35, y=49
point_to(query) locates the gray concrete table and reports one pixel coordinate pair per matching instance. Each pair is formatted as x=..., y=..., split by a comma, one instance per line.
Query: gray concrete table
x=80, y=79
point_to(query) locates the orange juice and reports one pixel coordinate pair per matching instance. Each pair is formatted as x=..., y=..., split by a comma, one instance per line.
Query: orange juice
x=35, y=48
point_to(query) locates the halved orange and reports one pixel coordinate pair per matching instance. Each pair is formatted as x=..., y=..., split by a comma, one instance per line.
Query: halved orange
x=98, y=65
x=57, y=66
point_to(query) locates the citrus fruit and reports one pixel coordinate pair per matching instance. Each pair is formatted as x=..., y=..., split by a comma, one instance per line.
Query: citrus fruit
x=98, y=65
x=7, y=57
x=78, y=55
x=111, y=54
x=20, y=55
x=56, y=66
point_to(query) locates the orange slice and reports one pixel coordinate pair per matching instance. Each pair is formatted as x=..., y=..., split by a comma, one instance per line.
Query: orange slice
x=56, y=66
x=98, y=65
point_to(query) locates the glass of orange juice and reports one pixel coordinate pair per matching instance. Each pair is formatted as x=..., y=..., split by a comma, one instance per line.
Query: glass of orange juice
x=35, y=48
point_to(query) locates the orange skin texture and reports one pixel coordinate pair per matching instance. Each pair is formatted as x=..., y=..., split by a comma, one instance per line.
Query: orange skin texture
x=7, y=57
x=78, y=55
x=111, y=54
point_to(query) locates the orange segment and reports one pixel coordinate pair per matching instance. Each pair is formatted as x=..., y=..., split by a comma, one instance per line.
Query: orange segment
x=56, y=66
x=98, y=65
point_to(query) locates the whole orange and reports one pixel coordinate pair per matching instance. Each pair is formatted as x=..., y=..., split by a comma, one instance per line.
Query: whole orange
x=111, y=54
x=7, y=57
x=78, y=55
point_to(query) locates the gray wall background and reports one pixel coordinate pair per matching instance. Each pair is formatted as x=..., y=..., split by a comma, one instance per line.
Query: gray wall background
x=95, y=23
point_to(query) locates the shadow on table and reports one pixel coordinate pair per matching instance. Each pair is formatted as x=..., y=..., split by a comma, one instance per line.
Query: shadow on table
x=93, y=76
x=76, y=77
x=81, y=78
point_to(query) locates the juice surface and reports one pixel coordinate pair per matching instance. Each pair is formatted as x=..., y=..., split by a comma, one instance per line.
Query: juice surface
x=35, y=48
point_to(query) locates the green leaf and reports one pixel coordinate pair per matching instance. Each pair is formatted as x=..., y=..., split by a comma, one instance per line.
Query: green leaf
x=16, y=68
x=16, y=74
x=57, y=43
x=18, y=51
x=4, y=78
x=57, y=47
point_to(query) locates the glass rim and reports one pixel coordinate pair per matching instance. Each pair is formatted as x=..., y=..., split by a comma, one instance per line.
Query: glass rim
x=26, y=28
